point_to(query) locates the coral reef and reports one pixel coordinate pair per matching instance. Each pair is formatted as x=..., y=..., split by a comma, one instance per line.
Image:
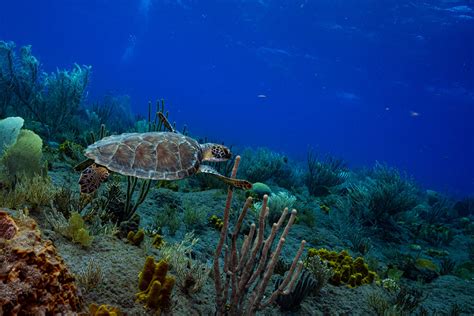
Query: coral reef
x=33, y=278
x=155, y=285
x=346, y=270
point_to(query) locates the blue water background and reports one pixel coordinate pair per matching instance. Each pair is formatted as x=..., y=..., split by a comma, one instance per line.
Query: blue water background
x=389, y=81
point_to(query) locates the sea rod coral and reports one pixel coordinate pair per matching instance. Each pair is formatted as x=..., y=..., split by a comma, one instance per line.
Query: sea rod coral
x=246, y=275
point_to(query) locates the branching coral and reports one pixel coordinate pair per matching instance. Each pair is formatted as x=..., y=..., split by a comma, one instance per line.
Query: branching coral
x=33, y=279
x=243, y=269
x=114, y=111
x=50, y=99
x=324, y=174
x=378, y=200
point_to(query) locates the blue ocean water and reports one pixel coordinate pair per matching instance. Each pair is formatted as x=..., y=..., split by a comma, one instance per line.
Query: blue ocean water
x=389, y=81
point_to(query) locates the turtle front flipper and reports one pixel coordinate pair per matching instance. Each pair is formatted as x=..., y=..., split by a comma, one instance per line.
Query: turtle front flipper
x=236, y=183
x=92, y=177
x=83, y=165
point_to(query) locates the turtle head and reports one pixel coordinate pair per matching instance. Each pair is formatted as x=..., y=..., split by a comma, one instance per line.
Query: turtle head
x=215, y=152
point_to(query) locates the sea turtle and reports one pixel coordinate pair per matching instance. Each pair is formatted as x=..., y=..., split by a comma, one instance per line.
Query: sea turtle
x=152, y=155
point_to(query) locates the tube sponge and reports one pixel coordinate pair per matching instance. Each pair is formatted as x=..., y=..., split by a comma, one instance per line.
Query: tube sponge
x=155, y=285
x=136, y=238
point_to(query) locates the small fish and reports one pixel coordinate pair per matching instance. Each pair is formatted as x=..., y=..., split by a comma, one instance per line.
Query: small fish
x=414, y=114
x=387, y=109
x=261, y=96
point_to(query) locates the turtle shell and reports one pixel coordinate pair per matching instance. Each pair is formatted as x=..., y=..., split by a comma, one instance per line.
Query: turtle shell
x=153, y=155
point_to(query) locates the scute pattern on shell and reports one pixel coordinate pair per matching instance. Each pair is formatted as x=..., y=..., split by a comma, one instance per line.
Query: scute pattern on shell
x=153, y=155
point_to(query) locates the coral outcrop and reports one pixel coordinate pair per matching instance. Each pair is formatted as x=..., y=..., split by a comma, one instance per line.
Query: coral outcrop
x=33, y=278
x=8, y=228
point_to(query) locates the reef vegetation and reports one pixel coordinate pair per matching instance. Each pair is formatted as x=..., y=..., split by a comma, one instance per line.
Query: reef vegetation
x=313, y=237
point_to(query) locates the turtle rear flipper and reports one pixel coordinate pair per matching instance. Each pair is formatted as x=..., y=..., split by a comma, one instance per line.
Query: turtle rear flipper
x=236, y=183
x=92, y=177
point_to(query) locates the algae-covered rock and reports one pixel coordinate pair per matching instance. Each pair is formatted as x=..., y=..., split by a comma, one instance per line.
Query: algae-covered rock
x=9, y=130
